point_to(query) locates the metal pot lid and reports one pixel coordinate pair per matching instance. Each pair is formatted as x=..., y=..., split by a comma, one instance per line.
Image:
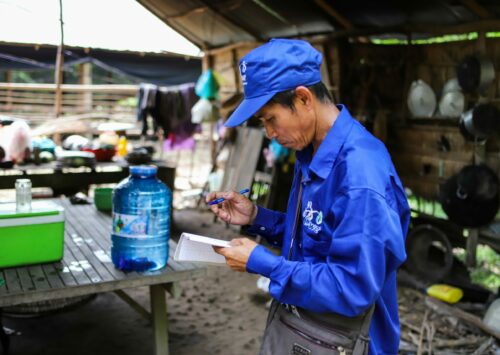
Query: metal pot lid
x=452, y=104
x=421, y=99
x=451, y=85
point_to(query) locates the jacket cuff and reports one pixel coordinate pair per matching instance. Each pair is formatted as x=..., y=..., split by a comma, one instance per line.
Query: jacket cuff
x=262, y=261
x=263, y=223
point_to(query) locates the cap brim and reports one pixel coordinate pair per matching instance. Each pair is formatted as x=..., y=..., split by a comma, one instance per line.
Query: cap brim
x=246, y=109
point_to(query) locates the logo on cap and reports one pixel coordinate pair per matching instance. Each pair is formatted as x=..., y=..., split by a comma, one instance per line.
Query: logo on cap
x=243, y=70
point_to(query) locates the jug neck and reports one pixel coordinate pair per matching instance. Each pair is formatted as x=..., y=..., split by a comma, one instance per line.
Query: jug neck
x=143, y=171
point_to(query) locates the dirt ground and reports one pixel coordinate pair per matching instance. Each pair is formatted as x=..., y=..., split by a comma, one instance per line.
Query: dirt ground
x=223, y=313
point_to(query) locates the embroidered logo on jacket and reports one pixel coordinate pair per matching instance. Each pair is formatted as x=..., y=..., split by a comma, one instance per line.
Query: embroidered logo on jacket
x=312, y=219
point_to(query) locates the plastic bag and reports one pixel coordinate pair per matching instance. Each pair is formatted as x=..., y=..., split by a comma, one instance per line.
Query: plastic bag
x=207, y=86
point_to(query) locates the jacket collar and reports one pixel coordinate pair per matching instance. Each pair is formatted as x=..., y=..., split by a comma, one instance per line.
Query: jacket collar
x=322, y=162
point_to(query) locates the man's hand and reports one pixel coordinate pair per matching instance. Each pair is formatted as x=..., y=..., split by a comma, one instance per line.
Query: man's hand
x=236, y=209
x=238, y=253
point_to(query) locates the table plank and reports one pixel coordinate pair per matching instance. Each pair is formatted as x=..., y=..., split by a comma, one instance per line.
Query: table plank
x=38, y=277
x=82, y=243
x=12, y=280
x=25, y=279
x=53, y=275
x=3, y=283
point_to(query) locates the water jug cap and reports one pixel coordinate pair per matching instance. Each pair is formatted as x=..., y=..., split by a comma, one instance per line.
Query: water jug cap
x=143, y=170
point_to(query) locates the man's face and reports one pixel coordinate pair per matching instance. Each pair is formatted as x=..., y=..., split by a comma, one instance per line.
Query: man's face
x=291, y=128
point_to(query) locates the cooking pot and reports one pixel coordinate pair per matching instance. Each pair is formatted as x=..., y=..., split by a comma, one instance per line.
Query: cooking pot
x=475, y=73
x=470, y=197
x=480, y=122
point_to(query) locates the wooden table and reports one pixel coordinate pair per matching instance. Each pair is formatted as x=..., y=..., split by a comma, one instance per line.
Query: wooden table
x=87, y=269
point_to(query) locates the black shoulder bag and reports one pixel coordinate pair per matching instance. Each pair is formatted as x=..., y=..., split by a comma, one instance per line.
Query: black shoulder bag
x=295, y=331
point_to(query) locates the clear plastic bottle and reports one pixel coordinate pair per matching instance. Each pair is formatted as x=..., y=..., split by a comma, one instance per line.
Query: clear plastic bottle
x=141, y=221
x=23, y=195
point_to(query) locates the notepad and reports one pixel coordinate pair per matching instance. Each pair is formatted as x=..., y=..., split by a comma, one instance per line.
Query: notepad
x=198, y=249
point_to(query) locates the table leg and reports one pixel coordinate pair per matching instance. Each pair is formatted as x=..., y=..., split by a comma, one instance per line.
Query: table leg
x=160, y=320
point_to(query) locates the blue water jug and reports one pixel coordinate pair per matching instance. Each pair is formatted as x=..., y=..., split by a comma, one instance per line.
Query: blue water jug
x=141, y=221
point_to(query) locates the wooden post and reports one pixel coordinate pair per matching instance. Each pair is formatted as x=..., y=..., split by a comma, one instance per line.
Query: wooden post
x=9, y=101
x=208, y=63
x=59, y=66
x=85, y=78
x=472, y=240
x=236, y=70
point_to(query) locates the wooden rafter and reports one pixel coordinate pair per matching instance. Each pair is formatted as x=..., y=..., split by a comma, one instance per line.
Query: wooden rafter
x=231, y=20
x=345, y=23
x=478, y=9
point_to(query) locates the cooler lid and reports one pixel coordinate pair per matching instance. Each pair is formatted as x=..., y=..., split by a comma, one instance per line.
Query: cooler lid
x=38, y=209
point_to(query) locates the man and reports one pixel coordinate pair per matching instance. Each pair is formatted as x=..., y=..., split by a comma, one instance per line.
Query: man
x=353, y=217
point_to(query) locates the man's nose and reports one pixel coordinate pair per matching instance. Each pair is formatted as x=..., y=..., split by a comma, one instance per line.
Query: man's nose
x=270, y=133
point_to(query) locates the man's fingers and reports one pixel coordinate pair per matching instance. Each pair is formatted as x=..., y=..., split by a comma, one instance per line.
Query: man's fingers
x=221, y=250
x=237, y=241
x=214, y=195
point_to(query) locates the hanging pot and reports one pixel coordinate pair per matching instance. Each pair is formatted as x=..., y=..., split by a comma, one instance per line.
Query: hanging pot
x=480, y=122
x=475, y=73
x=421, y=99
x=470, y=198
x=430, y=254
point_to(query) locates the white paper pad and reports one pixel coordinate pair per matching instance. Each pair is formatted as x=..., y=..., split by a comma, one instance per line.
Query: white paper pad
x=198, y=249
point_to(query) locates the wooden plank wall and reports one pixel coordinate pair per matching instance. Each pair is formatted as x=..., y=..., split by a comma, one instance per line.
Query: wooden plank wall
x=373, y=81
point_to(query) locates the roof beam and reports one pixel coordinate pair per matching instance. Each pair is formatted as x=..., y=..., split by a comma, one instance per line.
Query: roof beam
x=183, y=31
x=478, y=9
x=230, y=20
x=345, y=23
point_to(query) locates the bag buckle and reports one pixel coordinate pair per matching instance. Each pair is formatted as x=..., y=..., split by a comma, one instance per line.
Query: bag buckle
x=292, y=309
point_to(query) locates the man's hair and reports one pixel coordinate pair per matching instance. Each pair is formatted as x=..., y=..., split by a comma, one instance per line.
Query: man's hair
x=285, y=98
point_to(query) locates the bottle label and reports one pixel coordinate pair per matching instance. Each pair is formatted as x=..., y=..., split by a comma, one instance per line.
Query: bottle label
x=131, y=226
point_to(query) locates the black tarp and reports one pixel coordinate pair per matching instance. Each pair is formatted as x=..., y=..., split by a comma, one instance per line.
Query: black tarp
x=159, y=69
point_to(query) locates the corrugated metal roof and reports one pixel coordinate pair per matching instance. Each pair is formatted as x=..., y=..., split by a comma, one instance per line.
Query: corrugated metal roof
x=215, y=23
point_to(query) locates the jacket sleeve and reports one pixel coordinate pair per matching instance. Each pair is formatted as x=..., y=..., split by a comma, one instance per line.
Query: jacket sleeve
x=269, y=224
x=366, y=245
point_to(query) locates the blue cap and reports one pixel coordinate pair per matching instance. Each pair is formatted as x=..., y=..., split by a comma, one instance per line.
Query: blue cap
x=279, y=65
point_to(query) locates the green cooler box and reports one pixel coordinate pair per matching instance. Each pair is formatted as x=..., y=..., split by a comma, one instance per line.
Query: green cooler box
x=31, y=237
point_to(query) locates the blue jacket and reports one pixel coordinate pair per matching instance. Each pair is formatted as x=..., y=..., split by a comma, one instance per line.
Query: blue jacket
x=350, y=239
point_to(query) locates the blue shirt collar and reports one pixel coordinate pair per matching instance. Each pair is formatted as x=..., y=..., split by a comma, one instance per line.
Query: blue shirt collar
x=322, y=162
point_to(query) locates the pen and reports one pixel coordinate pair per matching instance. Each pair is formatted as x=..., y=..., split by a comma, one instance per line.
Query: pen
x=219, y=200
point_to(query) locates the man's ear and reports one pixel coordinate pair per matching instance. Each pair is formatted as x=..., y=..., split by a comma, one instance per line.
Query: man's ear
x=304, y=96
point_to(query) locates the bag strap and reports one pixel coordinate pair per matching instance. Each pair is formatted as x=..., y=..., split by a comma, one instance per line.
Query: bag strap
x=294, y=233
x=360, y=346
x=297, y=215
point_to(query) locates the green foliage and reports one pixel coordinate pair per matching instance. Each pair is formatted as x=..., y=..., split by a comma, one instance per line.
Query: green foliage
x=128, y=102
x=487, y=271
x=428, y=207
x=433, y=40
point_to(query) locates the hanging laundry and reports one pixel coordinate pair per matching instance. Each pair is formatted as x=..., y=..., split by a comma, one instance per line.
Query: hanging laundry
x=204, y=111
x=146, y=104
x=169, y=107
